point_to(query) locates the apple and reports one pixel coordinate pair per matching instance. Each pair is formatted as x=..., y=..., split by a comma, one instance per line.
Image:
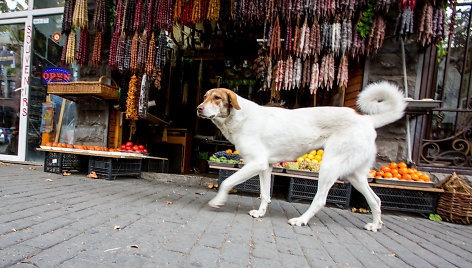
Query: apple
x=141, y=147
x=135, y=147
x=128, y=148
x=145, y=151
x=130, y=144
x=123, y=147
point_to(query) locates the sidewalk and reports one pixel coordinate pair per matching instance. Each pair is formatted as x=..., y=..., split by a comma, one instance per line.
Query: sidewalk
x=48, y=220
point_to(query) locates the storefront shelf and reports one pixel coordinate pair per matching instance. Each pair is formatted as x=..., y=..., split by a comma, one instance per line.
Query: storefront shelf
x=252, y=185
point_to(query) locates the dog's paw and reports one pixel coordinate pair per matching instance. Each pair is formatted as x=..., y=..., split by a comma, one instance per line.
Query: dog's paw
x=215, y=203
x=256, y=213
x=373, y=226
x=297, y=221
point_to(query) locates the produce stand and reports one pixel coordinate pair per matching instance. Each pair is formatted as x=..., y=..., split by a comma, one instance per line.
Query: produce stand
x=403, y=198
x=252, y=185
x=396, y=195
x=108, y=165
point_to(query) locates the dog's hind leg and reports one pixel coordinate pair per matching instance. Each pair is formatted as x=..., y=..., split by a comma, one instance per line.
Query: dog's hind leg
x=326, y=180
x=247, y=171
x=265, y=182
x=359, y=181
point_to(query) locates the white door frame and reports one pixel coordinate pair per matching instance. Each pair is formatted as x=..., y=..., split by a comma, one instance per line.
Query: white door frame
x=26, y=17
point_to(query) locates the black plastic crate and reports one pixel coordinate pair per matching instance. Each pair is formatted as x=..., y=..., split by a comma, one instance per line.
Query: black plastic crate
x=401, y=200
x=252, y=185
x=59, y=162
x=339, y=194
x=155, y=165
x=110, y=168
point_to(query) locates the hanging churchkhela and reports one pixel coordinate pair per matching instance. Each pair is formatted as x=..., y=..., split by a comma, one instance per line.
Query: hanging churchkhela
x=80, y=16
x=82, y=54
x=133, y=65
x=70, y=54
x=133, y=100
x=151, y=55
x=67, y=17
x=142, y=53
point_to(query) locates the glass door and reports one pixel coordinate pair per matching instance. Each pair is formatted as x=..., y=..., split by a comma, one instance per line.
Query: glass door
x=12, y=88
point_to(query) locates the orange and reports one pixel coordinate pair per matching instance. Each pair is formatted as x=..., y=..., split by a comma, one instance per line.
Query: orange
x=403, y=170
x=409, y=171
x=394, y=172
x=406, y=177
x=393, y=165
x=385, y=169
x=388, y=175
x=378, y=177
x=49, y=144
x=379, y=173
x=371, y=173
x=425, y=178
x=415, y=177
x=402, y=165
x=398, y=176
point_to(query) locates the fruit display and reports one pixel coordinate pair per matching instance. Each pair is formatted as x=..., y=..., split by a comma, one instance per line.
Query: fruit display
x=399, y=171
x=227, y=156
x=310, y=161
x=130, y=147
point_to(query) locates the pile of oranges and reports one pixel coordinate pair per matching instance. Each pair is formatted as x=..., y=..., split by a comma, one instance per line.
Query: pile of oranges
x=399, y=171
x=80, y=147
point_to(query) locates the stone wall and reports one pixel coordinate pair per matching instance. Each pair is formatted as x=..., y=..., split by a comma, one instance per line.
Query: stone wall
x=387, y=65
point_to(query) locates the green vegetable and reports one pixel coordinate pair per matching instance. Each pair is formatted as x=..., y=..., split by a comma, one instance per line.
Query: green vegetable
x=434, y=217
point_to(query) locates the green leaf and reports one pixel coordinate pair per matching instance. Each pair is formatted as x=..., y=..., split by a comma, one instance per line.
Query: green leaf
x=434, y=217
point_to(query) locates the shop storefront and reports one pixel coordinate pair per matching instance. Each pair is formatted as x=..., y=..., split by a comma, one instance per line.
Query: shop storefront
x=30, y=42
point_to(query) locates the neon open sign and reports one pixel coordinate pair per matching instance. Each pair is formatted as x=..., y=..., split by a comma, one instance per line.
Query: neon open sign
x=56, y=75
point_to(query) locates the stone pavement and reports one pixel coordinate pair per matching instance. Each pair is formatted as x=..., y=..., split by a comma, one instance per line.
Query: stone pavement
x=49, y=220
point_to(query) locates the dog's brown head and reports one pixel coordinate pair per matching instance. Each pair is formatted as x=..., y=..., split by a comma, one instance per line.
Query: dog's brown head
x=218, y=102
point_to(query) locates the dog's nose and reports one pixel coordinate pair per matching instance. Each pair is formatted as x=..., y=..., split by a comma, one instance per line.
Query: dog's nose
x=200, y=108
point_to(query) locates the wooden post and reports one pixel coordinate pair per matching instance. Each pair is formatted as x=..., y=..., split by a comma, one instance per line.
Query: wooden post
x=61, y=116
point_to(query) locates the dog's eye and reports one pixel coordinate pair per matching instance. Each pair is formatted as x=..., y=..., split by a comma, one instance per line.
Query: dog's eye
x=217, y=98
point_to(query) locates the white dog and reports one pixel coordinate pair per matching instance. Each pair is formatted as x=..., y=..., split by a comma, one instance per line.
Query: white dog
x=267, y=135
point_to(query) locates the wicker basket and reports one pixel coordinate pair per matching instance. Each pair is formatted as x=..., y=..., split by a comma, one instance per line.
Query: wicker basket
x=96, y=88
x=455, y=207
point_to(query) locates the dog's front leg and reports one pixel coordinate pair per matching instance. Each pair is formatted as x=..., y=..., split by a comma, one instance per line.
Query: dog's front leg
x=247, y=171
x=265, y=182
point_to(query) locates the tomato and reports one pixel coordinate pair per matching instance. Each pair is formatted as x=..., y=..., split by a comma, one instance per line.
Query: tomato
x=145, y=151
x=123, y=147
x=135, y=147
x=141, y=147
x=128, y=148
x=130, y=144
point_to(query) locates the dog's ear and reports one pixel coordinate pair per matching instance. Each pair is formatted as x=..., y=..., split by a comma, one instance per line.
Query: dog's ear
x=233, y=98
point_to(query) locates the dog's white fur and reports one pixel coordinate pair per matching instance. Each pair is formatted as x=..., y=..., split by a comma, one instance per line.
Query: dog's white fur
x=267, y=135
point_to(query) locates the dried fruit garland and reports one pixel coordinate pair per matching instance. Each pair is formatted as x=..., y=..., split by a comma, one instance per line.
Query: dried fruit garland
x=97, y=49
x=164, y=15
x=132, y=101
x=99, y=22
x=64, y=51
x=142, y=52
x=70, y=54
x=67, y=18
x=82, y=55
x=80, y=16
x=112, y=62
x=133, y=66
x=377, y=35
x=151, y=55
x=161, y=51
x=343, y=71
x=214, y=10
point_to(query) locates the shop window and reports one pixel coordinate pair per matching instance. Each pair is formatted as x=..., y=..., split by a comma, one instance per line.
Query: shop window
x=14, y=5
x=11, y=41
x=45, y=67
x=48, y=3
x=446, y=133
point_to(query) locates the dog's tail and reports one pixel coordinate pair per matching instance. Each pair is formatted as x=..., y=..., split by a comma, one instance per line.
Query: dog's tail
x=383, y=102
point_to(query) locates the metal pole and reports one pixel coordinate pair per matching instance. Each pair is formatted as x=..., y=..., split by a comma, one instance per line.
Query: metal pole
x=405, y=82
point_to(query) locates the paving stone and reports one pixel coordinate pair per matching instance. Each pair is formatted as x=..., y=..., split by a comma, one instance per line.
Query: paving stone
x=202, y=256
x=70, y=222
